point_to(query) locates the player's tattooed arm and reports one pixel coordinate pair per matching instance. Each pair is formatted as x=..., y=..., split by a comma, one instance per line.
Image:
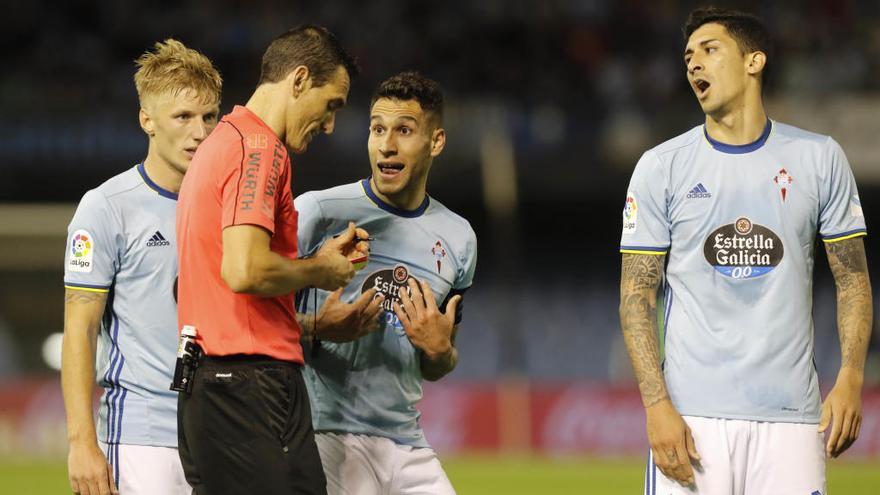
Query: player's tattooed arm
x=669, y=436
x=854, y=311
x=86, y=464
x=307, y=325
x=73, y=296
x=842, y=408
x=640, y=277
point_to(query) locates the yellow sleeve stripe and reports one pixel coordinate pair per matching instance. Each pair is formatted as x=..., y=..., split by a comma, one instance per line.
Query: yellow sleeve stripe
x=87, y=289
x=652, y=253
x=845, y=237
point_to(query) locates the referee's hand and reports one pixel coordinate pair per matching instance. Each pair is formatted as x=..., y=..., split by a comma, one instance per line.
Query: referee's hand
x=337, y=269
x=88, y=471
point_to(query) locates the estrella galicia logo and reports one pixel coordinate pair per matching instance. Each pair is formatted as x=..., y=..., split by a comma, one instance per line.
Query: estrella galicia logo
x=389, y=283
x=743, y=249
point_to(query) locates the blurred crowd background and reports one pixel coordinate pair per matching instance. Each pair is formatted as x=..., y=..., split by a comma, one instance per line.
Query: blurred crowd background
x=550, y=104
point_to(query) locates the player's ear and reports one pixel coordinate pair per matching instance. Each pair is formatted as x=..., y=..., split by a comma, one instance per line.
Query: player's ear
x=146, y=122
x=756, y=62
x=300, y=80
x=438, y=141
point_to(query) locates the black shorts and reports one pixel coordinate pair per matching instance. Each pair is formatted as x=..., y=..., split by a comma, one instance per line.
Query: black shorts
x=247, y=428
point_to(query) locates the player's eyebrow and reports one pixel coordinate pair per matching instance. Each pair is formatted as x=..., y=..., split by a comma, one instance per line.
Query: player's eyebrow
x=336, y=104
x=401, y=117
x=690, y=51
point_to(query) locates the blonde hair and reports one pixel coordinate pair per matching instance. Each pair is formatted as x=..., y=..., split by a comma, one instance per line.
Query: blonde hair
x=171, y=67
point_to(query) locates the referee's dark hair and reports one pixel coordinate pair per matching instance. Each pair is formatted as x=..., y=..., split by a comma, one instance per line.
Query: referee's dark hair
x=412, y=85
x=312, y=46
x=746, y=29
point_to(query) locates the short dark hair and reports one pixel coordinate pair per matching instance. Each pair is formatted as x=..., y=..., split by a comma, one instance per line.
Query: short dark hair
x=313, y=46
x=746, y=29
x=411, y=85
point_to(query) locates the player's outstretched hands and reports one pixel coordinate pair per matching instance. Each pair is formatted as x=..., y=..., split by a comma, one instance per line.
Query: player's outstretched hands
x=671, y=442
x=343, y=322
x=335, y=258
x=88, y=471
x=427, y=328
x=842, y=410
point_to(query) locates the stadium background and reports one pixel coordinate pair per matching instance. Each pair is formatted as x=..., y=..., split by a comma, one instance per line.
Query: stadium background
x=550, y=104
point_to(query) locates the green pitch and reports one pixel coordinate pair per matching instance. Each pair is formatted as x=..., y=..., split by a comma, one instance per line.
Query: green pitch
x=490, y=476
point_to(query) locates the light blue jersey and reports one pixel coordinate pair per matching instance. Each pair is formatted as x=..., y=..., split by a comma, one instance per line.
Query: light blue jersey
x=372, y=385
x=122, y=241
x=739, y=224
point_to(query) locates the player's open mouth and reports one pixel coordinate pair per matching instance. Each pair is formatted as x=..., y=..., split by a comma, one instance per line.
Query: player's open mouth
x=701, y=86
x=390, y=169
x=190, y=152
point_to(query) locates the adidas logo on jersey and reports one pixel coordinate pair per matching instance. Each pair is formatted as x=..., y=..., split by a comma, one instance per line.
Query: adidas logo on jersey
x=157, y=240
x=699, y=191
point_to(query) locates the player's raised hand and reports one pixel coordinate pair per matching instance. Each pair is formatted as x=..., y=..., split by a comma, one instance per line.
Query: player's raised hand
x=426, y=326
x=88, y=471
x=842, y=410
x=671, y=442
x=343, y=322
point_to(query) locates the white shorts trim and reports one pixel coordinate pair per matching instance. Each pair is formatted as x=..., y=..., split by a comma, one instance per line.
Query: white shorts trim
x=146, y=470
x=367, y=465
x=740, y=457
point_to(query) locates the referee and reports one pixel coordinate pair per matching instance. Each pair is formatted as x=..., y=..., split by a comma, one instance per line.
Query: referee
x=246, y=426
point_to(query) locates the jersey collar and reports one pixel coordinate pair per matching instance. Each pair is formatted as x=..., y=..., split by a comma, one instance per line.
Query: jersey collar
x=739, y=149
x=152, y=185
x=368, y=188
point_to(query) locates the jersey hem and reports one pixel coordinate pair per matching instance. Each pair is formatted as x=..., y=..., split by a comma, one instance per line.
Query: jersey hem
x=760, y=419
x=397, y=440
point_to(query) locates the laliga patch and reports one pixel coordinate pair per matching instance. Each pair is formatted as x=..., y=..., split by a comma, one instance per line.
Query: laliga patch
x=630, y=215
x=855, y=207
x=82, y=248
x=743, y=249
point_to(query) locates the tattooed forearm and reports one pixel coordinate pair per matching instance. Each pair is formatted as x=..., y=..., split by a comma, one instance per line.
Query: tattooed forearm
x=854, y=311
x=82, y=296
x=641, y=271
x=307, y=325
x=640, y=277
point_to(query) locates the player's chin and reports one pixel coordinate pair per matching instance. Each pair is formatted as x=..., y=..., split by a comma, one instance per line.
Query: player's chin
x=386, y=186
x=182, y=165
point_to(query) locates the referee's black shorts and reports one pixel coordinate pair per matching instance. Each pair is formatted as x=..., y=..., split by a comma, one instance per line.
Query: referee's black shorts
x=247, y=429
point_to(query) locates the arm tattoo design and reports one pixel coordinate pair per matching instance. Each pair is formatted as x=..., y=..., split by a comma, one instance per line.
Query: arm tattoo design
x=81, y=296
x=854, y=311
x=640, y=276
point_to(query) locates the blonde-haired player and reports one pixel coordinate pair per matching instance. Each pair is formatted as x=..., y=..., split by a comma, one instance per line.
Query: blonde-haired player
x=120, y=271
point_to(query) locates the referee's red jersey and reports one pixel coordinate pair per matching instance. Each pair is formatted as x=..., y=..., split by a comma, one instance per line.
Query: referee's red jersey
x=239, y=176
